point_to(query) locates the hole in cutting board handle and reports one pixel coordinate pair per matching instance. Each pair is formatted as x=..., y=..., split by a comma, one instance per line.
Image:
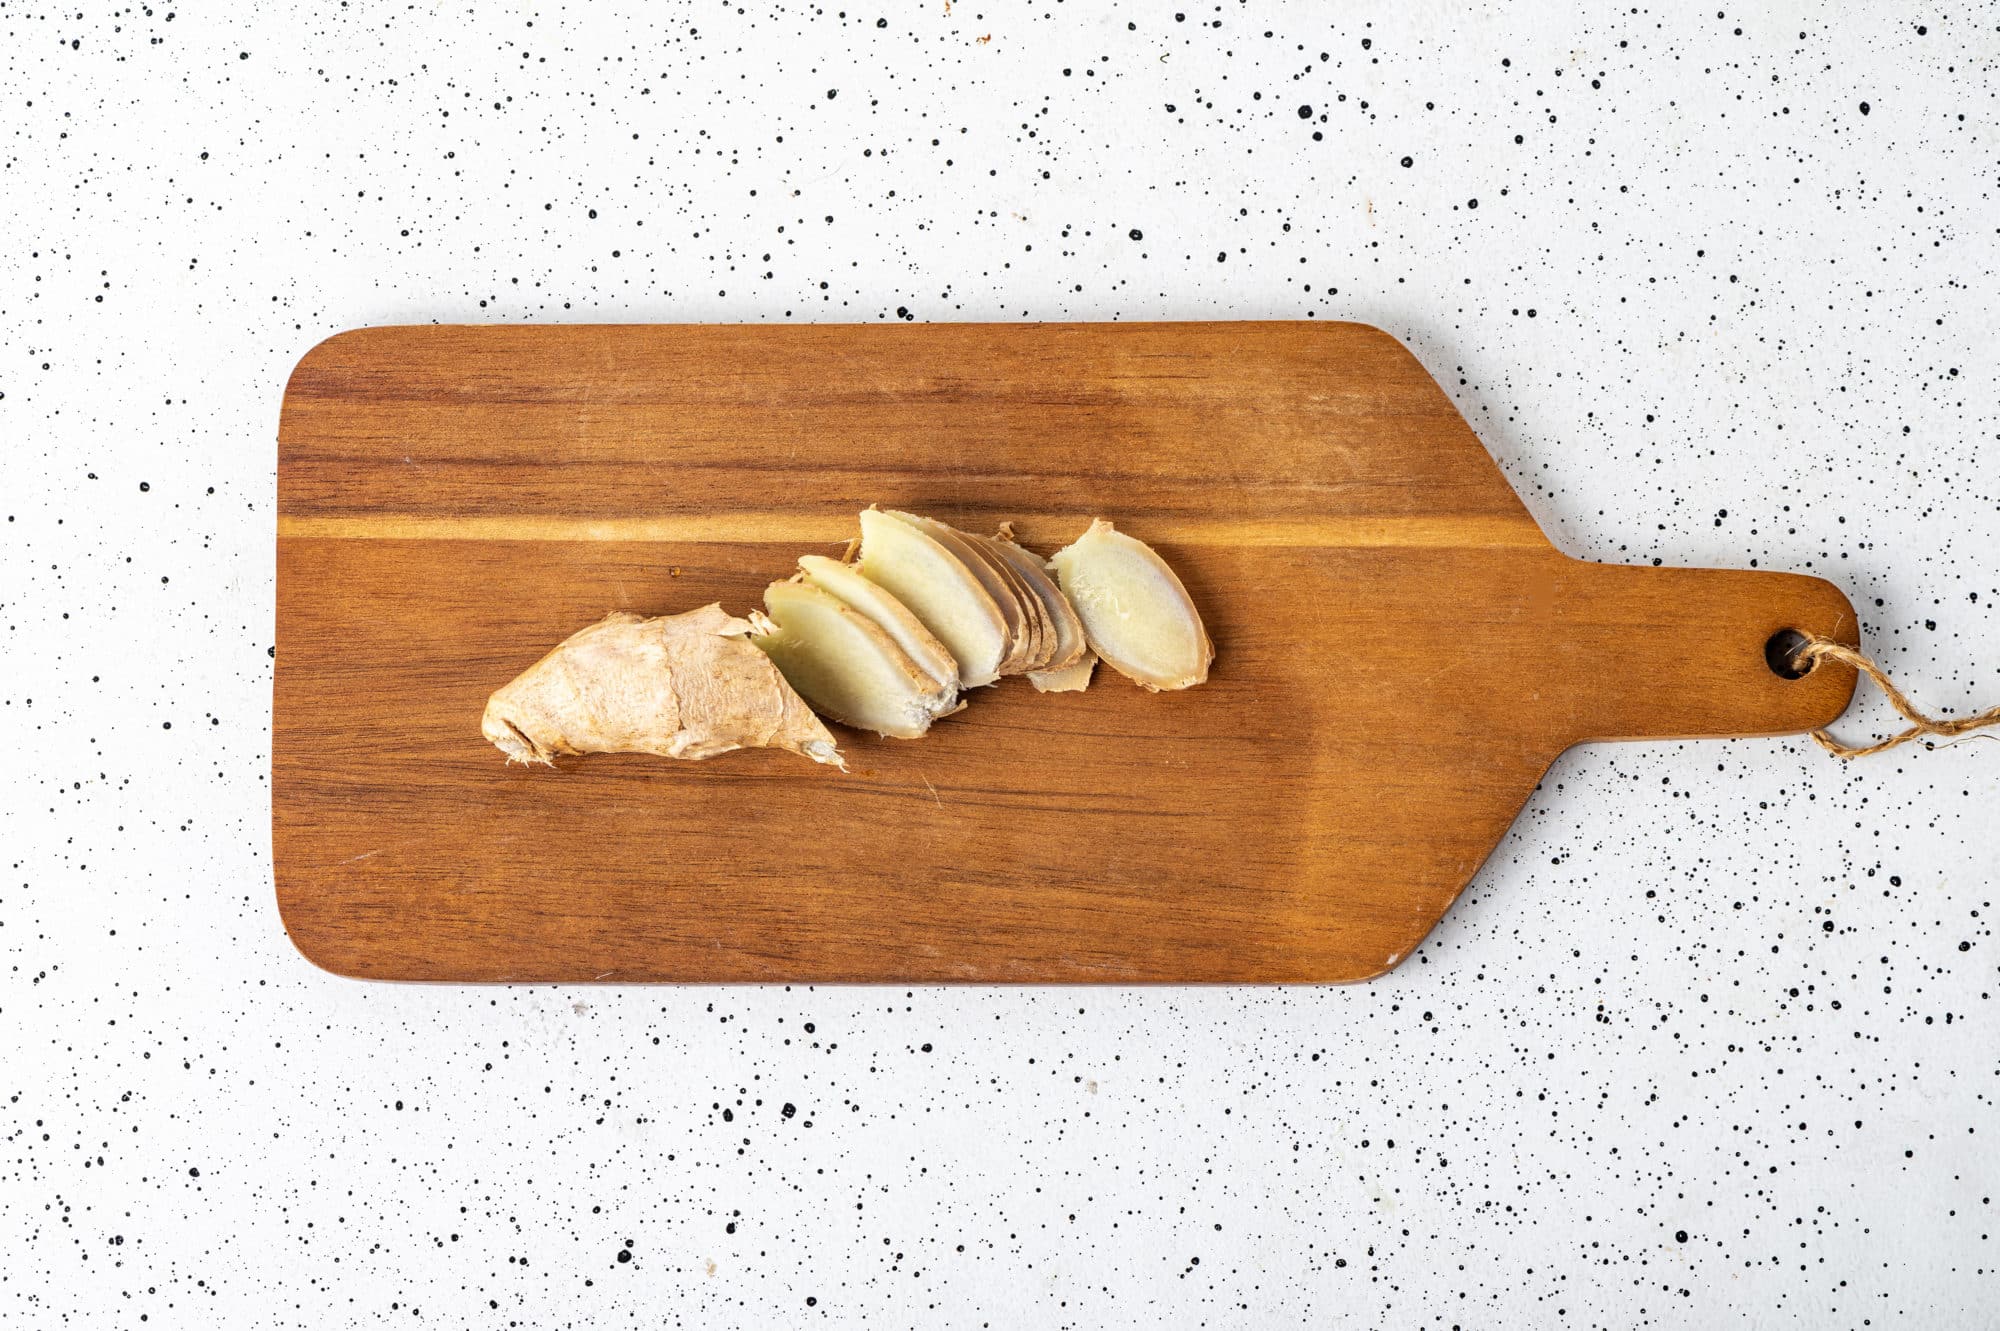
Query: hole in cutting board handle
x=1781, y=654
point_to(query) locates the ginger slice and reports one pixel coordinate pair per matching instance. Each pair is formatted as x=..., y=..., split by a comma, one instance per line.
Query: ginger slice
x=1069, y=646
x=1020, y=634
x=1135, y=612
x=681, y=686
x=842, y=663
x=1069, y=667
x=946, y=597
x=845, y=583
x=1064, y=679
x=1040, y=630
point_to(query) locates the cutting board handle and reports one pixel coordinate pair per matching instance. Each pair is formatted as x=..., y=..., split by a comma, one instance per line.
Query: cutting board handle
x=1652, y=653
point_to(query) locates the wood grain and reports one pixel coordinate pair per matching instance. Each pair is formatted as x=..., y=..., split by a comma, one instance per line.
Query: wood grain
x=1401, y=654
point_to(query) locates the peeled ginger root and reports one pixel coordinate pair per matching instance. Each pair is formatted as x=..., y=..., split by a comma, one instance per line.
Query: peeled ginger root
x=681, y=686
x=1137, y=615
x=846, y=666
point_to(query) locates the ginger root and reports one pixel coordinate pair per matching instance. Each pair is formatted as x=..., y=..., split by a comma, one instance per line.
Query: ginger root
x=884, y=643
x=681, y=686
x=1136, y=614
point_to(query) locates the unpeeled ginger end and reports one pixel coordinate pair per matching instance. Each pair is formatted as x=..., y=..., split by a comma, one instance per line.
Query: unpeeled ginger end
x=1136, y=614
x=681, y=686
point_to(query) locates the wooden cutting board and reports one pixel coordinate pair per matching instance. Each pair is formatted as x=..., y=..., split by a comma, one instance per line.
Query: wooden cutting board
x=1400, y=654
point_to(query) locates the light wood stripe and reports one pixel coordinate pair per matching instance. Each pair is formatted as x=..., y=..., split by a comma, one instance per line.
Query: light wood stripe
x=766, y=528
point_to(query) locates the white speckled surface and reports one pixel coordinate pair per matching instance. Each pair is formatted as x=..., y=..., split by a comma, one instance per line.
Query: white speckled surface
x=1710, y=1042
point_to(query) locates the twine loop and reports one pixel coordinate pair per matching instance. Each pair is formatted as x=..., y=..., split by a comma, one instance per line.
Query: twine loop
x=1815, y=649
